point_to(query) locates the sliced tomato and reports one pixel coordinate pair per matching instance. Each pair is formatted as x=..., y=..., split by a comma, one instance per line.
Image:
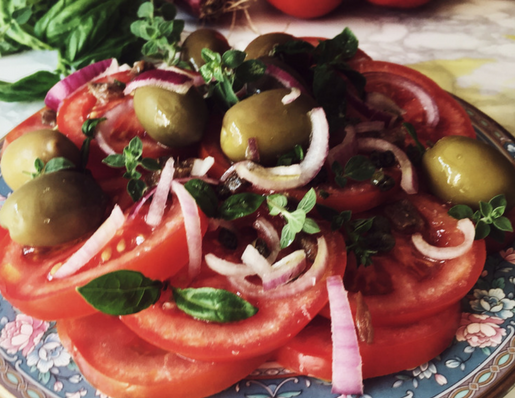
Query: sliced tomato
x=24, y=275
x=210, y=146
x=393, y=349
x=387, y=78
x=403, y=286
x=118, y=363
x=277, y=319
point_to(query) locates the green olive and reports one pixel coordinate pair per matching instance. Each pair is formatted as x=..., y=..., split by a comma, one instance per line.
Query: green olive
x=174, y=120
x=54, y=208
x=202, y=38
x=17, y=163
x=276, y=127
x=463, y=170
x=263, y=45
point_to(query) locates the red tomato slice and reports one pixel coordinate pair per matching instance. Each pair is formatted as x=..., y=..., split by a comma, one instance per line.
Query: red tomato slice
x=120, y=364
x=453, y=119
x=277, y=319
x=394, y=348
x=23, y=276
x=402, y=286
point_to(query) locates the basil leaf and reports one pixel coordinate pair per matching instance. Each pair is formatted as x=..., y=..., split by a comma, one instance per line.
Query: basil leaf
x=250, y=71
x=461, y=211
x=204, y=195
x=213, y=305
x=338, y=49
x=30, y=88
x=121, y=292
x=233, y=58
x=240, y=205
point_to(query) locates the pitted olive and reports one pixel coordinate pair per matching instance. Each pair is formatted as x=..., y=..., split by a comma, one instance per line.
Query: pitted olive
x=202, y=38
x=54, y=208
x=463, y=170
x=263, y=45
x=18, y=158
x=174, y=120
x=276, y=127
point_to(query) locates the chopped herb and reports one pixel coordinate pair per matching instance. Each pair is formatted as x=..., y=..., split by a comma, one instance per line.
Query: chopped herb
x=240, y=205
x=358, y=168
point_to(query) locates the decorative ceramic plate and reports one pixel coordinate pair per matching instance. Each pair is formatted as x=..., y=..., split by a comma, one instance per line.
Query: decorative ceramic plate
x=479, y=363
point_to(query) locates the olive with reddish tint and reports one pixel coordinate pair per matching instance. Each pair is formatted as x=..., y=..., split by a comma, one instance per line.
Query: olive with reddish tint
x=211, y=39
x=54, y=208
x=17, y=163
x=175, y=120
x=277, y=127
x=263, y=45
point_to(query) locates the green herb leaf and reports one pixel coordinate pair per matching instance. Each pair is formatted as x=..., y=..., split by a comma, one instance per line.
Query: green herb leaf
x=296, y=155
x=359, y=168
x=121, y=292
x=204, y=195
x=57, y=164
x=240, y=205
x=213, y=305
x=461, y=211
x=30, y=88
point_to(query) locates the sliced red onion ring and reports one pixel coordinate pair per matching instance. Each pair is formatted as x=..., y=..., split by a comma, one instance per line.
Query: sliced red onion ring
x=284, y=78
x=73, y=82
x=167, y=79
x=299, y=285
x=425, y=99
x=252, y=151
x=202, y=166
x=347, y=375
x=342, y=152
x=164, y=185
x=371, y=113
x=409, y=181
x=382, y=102
x=104, y=128
x=281, y=177
x=196, y=77
x=466, y=226
x=92, y=246
x=269, y=234
x=227, y=268
x=136, y=208
x=193, y=228
x=291, y=96
x=254, y=260
x=284, y=270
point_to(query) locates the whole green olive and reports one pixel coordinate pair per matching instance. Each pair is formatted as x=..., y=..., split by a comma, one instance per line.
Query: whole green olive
x=174, y=120
x=17, y=163
x=263, y=45
x=276, y=127
x=463, y=170
x=54, y=208
x=192, y=47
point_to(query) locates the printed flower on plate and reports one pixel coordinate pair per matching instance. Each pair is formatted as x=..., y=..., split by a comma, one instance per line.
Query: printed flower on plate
x=22, y=334
x=480, y=330
x=493, y=302
x=49, y=354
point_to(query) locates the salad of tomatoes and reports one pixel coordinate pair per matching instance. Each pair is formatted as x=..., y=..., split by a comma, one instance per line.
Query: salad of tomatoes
x=211, y=208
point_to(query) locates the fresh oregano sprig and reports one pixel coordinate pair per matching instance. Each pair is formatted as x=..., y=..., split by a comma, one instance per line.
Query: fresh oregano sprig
x=226, y=73
x=357, y=168
x=161, y=31
x=53, y=165
x=88, y=129
x=297, y=220
x=131, y=159
x=489, y=219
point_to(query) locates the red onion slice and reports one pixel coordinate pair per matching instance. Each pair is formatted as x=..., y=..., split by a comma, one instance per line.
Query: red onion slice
x=164, y=185
x=254, y=260
x=269, y=234
x=299, y=285
x=284, y=270
x=409, y=181
x=167, y=79
x=282, y=177
x=426, y=100
x=381, y=102
x=202, y=166
x=291, y=96
x=193, y=228
x=227, y=268
x=196, y=77
x=342, y=152
x=284, y=78
x=466, y=226
x=73, y=82
x=92, y=246
x=347, y=375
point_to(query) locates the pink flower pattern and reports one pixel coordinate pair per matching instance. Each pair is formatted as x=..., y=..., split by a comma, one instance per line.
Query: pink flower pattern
x=508, y=255
x=480, y=330
x=22, y=334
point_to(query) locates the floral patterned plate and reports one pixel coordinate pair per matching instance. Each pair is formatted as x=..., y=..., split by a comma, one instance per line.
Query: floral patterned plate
x=479, y=363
